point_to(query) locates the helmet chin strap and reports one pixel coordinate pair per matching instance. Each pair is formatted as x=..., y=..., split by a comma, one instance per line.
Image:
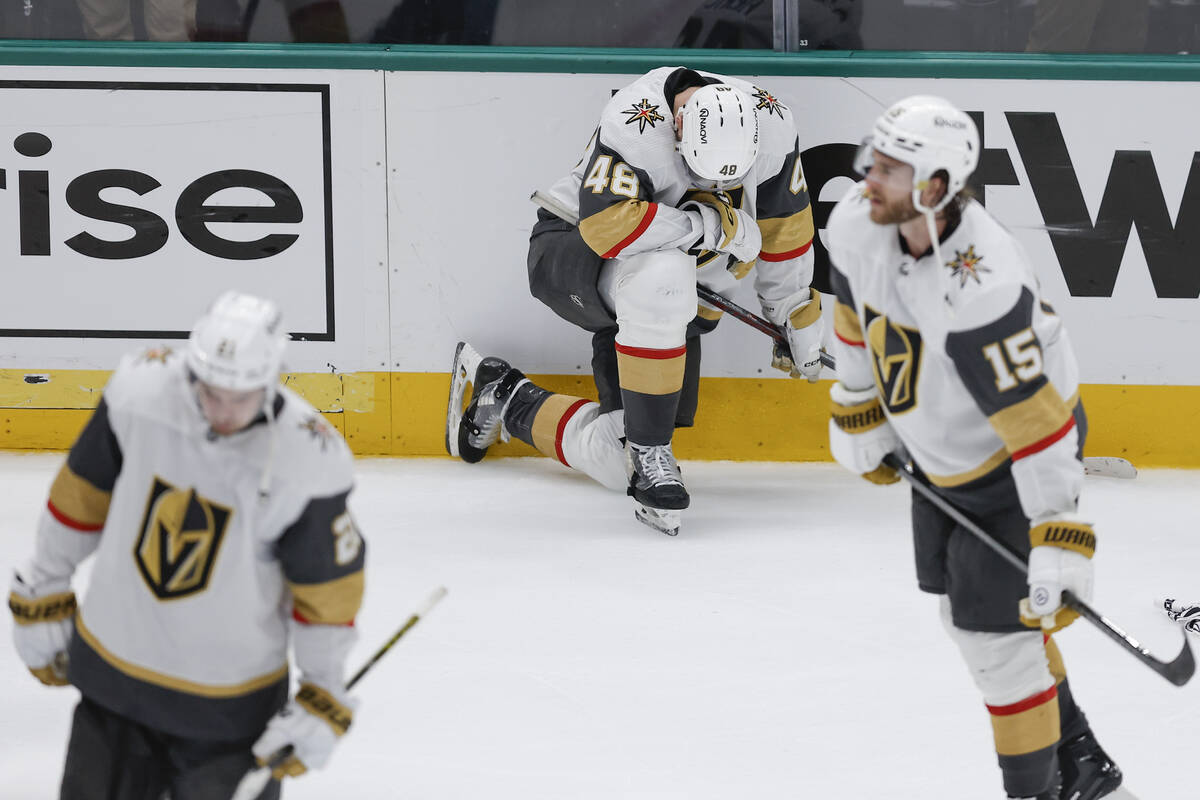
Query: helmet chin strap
x=930, y=215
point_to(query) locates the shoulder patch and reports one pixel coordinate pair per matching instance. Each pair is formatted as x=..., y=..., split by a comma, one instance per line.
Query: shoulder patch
x=155, y=355
x=319, y=429
x=643, y=114
x=768, y=102
x=967, y=265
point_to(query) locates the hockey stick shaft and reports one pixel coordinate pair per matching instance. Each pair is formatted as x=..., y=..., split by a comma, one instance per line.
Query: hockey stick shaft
x=714, y=299
x=255, y=780
x=1178, y=671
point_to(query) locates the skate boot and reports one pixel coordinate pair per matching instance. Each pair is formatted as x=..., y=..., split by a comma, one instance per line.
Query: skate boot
x=656, y=486
x=1087, y=771
x=470, y=432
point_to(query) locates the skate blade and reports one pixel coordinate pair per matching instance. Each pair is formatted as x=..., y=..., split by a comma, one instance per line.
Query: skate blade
x=662, y=520
x=462, y=372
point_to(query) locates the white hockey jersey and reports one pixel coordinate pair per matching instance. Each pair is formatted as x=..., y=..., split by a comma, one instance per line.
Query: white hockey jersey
x=184, y=625
x=974, y=369
x=630, y=180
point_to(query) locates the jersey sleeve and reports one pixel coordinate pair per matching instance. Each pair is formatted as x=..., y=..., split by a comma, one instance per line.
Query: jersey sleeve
x=785, y=264
x=617, y=213
x=1001, y=363
x=70, y=525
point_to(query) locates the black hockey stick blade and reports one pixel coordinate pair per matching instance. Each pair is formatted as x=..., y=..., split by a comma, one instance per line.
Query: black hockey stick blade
x=1178, y=671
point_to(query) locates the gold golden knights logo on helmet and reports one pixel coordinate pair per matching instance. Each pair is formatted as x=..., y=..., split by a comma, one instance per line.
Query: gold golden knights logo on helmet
x=180, y=537
x=895, y=359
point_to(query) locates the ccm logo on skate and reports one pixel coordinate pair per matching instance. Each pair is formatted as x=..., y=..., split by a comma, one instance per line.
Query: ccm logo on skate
x=193, y=211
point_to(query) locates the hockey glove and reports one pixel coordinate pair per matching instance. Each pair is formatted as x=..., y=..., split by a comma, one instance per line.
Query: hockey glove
x=312, y=723
x=726, y=229
x=860, y=434
x=1061, y=558
x=800, y=317
x=44, y=617
x=1186, y=615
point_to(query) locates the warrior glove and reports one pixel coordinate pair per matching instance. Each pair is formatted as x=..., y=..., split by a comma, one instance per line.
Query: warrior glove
x=725, y=229
x=1060, y=559
x=860, y=434
x=800, y=317
x=44, y=617
x=312, y=723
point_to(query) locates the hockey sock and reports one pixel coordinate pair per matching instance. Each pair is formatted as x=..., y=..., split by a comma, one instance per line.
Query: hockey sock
x=1027, y=736
x=651, y=381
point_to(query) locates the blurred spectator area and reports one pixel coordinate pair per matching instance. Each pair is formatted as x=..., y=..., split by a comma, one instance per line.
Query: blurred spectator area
x=967, y=25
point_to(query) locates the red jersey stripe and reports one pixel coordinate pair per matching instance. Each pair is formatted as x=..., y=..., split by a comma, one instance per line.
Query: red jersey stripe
x=82, y=527
x=647, y=218
x=1041, y=445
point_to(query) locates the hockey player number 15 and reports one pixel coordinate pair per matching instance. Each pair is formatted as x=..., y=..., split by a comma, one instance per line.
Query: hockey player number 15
x=1019, y=361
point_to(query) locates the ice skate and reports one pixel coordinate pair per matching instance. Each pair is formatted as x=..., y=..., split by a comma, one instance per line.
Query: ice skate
x=1087, y=771
x=470, y=432
x=656, y=486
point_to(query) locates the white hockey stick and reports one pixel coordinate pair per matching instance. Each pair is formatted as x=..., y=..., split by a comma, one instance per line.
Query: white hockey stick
x=1104, y=466
x=254, y=781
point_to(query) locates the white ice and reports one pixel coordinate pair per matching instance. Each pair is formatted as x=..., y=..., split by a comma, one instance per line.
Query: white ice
x=777, y=648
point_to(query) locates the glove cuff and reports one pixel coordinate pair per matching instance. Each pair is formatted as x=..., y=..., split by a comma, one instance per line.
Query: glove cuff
x=855, y=411
x=1070, y=535
x=808, y=312
x=323, y=705
x=34, y=610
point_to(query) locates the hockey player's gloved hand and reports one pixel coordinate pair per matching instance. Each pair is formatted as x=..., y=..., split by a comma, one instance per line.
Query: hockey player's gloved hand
x=860, y=435
x=725, y=229
x=800, y=317
x=312, y=723
x=1061, y=558
x=44, y=618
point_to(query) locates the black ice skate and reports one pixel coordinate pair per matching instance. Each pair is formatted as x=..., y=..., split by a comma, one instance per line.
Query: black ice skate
x=1087, y=771
x=470, y=432
x=656, y=485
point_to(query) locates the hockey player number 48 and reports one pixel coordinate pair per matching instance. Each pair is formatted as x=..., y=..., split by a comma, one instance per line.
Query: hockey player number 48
x=624, y=179
x=1019, y=361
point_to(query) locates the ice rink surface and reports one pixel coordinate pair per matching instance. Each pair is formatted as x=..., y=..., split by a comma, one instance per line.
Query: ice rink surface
x=777, y=648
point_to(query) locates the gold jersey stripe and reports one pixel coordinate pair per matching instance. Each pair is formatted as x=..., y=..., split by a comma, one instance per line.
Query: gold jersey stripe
x=171, y=682
x=846, y=324
x=657, y=376
x=605, y=230
x=79, y=500
x=1027, y=731
x=704, y=312
x=1057, y=668
x=785, y=234
x=334, y=602
x=546, y=425
x=1032, y=419
x=992, y=462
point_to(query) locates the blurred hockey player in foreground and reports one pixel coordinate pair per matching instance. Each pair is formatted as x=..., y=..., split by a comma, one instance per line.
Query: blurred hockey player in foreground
x=946, y=349
x=689, y=177
x=214, y=501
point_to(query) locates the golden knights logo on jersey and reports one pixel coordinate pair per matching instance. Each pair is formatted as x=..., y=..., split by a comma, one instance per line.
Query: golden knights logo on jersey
x=643, y=113
x=895, y=360
x=180, y=537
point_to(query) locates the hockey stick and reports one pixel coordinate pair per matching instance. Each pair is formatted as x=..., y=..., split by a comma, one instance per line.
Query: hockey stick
x=1178, y=671
x=255, y=780
x=706, y=294
x=1105, y=466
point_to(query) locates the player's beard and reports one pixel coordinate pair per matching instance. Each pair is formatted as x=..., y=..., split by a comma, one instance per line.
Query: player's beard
x=895, y=212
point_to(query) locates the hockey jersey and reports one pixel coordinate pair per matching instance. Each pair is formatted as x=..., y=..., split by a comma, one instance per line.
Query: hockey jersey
x=206, y=549
x=974, y=369
x=628, y=184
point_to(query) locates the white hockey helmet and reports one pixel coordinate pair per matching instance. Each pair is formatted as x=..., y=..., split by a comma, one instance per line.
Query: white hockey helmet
x=929, y=134
x=719, y=140
x=238, y=344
